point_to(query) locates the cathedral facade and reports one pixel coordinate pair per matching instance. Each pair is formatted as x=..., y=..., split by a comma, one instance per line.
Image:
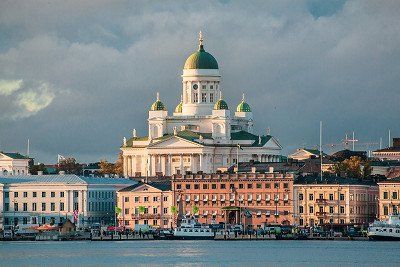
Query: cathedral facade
x=201, y=135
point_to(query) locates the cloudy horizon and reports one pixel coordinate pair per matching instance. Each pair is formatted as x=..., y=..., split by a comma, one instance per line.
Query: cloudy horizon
x=78, y=76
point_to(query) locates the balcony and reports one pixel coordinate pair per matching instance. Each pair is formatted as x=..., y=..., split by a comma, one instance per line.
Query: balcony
x=320, y=213
x=146, y=216
x=321, y=201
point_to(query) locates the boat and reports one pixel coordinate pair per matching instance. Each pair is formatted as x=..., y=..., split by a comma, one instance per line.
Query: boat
x=385, y=230
x=191, y=229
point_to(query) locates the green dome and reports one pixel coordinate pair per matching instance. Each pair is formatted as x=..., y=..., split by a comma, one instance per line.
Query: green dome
x=201, y=60
x=158, y=105
x=178, y=108
x=243, y=107
x=221, y=104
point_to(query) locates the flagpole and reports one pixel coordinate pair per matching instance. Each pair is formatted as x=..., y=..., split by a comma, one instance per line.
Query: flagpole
x=237, y=159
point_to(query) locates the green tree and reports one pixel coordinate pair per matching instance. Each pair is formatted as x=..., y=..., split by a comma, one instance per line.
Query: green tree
x=69, y=166
x=195, y=210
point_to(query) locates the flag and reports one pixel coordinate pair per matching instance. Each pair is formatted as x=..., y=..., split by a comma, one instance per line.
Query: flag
x=60, y=158
x=239, y=146
x=75, y=216
x=118, y=210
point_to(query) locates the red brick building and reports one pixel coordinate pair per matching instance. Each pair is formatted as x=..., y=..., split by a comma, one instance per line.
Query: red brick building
x=250, y=199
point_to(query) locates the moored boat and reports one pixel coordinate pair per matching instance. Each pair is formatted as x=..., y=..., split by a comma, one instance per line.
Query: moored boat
x=385, y=230
x=191, y=229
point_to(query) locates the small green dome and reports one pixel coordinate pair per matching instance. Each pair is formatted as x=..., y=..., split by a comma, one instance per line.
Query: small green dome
x=158, y=105
x=243, y=107
x=220, y=104
x=178, y=108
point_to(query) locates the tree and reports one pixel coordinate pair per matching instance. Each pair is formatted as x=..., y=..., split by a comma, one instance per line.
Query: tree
x=353, y=167
x=119, y=165
x=69, y=166
x=106, y=168
x=35, y=168
x=195, y=210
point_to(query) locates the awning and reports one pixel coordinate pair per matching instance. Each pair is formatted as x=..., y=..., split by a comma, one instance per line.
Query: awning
x=234, y=208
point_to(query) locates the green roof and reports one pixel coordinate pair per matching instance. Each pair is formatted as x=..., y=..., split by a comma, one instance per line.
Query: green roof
x=243, y=107
x=191, y=136
x=158, y=105
x=243, y=135
x=201, y=60
x=312, y=151
x=14, y=155
x=221, y=104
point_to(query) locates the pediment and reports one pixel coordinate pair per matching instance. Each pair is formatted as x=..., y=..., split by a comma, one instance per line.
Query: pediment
x=174, y=142
x=146, y=188
x=273, y=143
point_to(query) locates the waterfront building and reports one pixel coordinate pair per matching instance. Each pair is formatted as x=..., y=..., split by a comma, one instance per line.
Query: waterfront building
x=334, y=201
x=389, y=153
x=50, y=199
x=389, y=201
x=201, y=135
x=13, y=164
x=146, y=204
x=252, y=199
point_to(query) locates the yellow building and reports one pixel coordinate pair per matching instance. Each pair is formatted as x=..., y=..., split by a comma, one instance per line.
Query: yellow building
x=389, y=202
x=334, y=201
x=146, y=203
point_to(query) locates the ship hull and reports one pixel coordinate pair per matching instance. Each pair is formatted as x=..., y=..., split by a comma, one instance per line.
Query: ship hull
x=383, y=238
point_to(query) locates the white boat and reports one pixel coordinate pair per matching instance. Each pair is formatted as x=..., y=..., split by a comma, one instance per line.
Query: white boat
x=385, y=230
x=191, y=229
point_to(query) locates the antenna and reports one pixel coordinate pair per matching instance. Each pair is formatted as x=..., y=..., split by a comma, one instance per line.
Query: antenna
x=380, y=143
x=320, y=145
x=390, y=141
x=27, y=149
x=353, y=140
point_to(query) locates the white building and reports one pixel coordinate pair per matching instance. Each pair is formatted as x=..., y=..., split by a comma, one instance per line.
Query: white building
x=13, y=164
x=48, y=199
x=201, y=134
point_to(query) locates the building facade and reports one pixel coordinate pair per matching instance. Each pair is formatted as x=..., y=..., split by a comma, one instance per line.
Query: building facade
x=201, y=135
x=146, y=204
x=389, y=201
x=334, y=201
x=389, y=153
x=253, y=200
x=50, y=199
x=13, y=164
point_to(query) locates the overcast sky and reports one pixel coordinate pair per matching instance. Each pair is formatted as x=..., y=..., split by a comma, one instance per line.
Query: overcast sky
x=78, y=76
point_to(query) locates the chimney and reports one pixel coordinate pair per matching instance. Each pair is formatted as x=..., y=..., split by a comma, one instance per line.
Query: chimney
x=396, y=142
x=271, y=169
x=61, y=172
x=40, y=173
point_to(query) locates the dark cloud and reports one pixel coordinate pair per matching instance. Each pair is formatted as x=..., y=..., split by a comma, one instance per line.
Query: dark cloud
x=102, y=63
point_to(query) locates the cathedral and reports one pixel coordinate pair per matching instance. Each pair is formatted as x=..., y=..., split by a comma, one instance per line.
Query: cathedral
x=201, y=135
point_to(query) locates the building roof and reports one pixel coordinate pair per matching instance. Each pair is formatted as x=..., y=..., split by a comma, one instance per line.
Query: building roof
x=347, y=154
x=311, y=179
x=14, y=155
x=220, y=104
x=285, y=167
x=243, y=135
x=243, y=107
x=393, y=180
x=388, y=149
x=161, y=185
x=62, y=179
x=158, y=105
x=201, y=60
x=314, y=165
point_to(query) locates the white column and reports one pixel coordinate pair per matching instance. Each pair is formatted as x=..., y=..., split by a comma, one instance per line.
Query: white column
x=125, y=166
x=170, y=171
x=191, y=163
x=129, y=158
x=133, y=165
x=163, y=165
x=154, y=164
x=159, y=163
x=201, y=162
x=149, y=167
x=181, y=164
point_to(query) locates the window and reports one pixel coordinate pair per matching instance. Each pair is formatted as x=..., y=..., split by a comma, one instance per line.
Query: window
x=126, y=211
x=155, y=199
x=241, y=186
x=341, y=221
x=187, y=186
x=76, y=207
x=203, y=87
x=342, y=209
x=232, y=186
x=223, y=186
x=25, y=220
x=385, y=195
x=155, y=211
x=53, y=194
x=6, y=194
x=43, y=194
x=61, y=206
x=301, y=196
x=331, y=210
x=126, y=222
x=276, y=185
x=385, y=210
x=15, y=194
x=15, y=206
x=301, y=209
x=301, y=221
x=34, y=194
x=155, y=222
x=146, y=221
x=25, y=194
x=321, y=196
x=341, y=197
x=205, y=186
x=6, y=206
x=75, y=193
x=258, y=185
x=213, y=186
x=211, y=96
x=136, y=199
x=52, y=206
x=25, y=206
x=267, y=185
x=178, y=186
x=146, y=199
x=330, y=196
x=249, y=186
x=394, y=195
x=165, y=198
x=203, y=97
x=165, y=210
x=285, y=185
x=195, y=97
x=126, y=199
x=196, y=186
x=61, y=194
x=311, y=209
x=311, y=197
x=43, y=206
x=34, y=207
